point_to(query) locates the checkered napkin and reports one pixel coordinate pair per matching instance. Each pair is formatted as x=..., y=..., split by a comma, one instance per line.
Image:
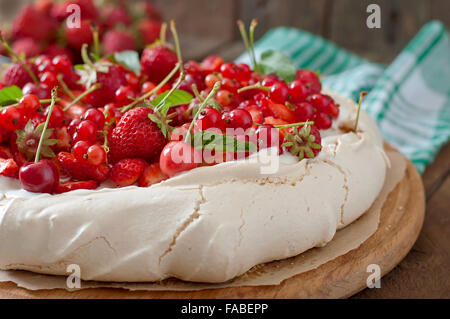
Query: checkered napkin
x=409, y=99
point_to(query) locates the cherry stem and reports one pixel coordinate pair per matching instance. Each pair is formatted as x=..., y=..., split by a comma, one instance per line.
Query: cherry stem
x=162, y=33
x=156, y=89
x=173, y=29
x=211, y=94
x=253, y=26
x=85, y=56
x=50, y=110
x=294, y=124
x=256, y=86
x=177, y=84
x=44, y=101
x=64, y=86
x=196, y=92
x=361, y=98
x=82, y=95
x=19, y=59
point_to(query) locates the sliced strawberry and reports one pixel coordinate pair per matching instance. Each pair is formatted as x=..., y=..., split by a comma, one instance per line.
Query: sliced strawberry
x=5, y=152
x=71, y=186
x=127, y=171
x=20, y=158
x=82, y=171
x=283, y=112
x=9, y=168
x=274, y=121
x=257, y=114
x=152, y=175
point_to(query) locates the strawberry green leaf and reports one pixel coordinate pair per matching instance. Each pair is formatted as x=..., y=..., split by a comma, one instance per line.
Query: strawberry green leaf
x=277, y=62
x=221, y=143
x=178, y=97
x=128, y=59
x=10, y=95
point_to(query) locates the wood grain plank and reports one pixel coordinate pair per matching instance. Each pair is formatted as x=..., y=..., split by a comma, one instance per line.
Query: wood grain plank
x=440, y=10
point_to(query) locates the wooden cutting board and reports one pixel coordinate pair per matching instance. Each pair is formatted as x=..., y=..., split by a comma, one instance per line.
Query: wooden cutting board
x=400, y=223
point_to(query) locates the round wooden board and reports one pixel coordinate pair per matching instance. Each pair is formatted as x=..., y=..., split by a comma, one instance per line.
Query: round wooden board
x=400, y=224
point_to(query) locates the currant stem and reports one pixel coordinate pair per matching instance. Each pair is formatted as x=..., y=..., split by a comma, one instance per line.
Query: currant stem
x=64, y=86
x=156, y=89
x=173, y=29
x=361, y=98
x=85, y=56
x=256, y=86
x=44, y=101
x=19, y=59
x=243, y=35
x=294, y=124
x=253, y=26
x=52, y=104
x=202, y=106
x=96, y=40
x=162, y=33
x=82, y=95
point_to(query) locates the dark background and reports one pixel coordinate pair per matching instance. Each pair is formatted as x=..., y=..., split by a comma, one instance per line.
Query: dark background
x=208, y=26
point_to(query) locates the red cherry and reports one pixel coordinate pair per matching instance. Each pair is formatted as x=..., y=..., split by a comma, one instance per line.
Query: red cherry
x=62, y=64
x=297, y=91
x=57, y=118
x=267, y=136
x=147, y=87
x=41, y=177
x=86, y=131
x=279, y=93
x=79, y=150
x=304, y=111
x=29, y=103
x=178, y=157
x=95, y=116
x=125, y=95
x=210, y=118
x=323, y=121
x=49, y=79
x=238, y=118
x=12, y=118
x=96, y=155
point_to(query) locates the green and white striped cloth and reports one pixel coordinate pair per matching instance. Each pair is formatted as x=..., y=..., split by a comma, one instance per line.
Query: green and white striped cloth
x=409, y=99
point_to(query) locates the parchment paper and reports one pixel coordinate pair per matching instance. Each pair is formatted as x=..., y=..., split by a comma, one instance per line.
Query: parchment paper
x=272, y=273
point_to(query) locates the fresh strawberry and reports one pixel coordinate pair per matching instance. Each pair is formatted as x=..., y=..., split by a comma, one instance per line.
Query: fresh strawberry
x=111, y=81
x=34, y=24
x=283, y=112
x=44, y=6
x=157, y=62
x=16, y=74
x=149, y=30
x=117, y=41
x=71, y=186
x=82, y=171
x=9, y=168
x=27, y=46
x=5, y=152
x=303, y=141
x=152, y=175
x=136, y=136
x=76, y=37
x=127, y=171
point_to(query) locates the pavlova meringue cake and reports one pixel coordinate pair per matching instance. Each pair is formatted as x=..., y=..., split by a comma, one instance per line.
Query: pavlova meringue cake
x=209, y=224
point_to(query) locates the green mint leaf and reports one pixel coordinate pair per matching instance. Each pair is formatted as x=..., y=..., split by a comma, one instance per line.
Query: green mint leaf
x=178, y=97
x=10, y=95
x=213, y=141
x=277, y=62
x=128, y=59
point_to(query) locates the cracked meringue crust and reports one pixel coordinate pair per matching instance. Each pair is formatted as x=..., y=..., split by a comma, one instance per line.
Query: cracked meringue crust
x=210, y=224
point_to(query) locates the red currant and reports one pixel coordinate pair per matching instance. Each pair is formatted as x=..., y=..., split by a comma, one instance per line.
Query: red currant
x=96, y=155
x=279, y=93
x=238, y=118
x=319, y=101
x=72, y=128
x=297, y=91
x=211, y=79
x=229, y=70
x=12, y=118
x=125, y=95
x=49, y=79
x=304, y=111
x=147, y=87
x=210, y=118
x=79, y=150
x=95, y=116
x=86, y=131
x=62, y=64
x=57, y=118
x=29, y=103
x=267, y=136
x=310, y=79
x=323, y=121
x=224, y=97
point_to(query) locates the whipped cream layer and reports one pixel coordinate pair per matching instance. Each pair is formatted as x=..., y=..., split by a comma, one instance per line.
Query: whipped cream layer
x=206, y=225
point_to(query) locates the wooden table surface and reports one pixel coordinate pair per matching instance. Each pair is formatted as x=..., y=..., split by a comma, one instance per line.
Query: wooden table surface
x=425, y=272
